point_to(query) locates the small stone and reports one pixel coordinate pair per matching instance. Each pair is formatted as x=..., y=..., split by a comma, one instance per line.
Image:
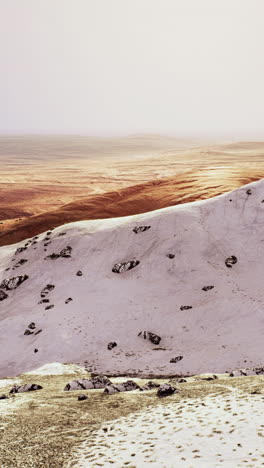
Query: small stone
x=207, y=288
x=35, y=350
x=125, y=266
x=49, y=307
x=82, y=397
x=185, y=307
x=138, y=229
x=176, y=359
x=68, y=300
x=79, y=273
x=111, y=345
x=170, y=255
x=28, y=332
x=166, y=390
x=230, y=261
x=152, y=337
x=3, y=295
x=32, y=325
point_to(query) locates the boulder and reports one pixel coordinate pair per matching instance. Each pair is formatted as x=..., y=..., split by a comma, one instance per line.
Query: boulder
x=127, y=386
x=88, y=384
x=138, y=229
x=152, y=337
x=229, y=261
x=13, y=283
x=25, y=388
x=3, y=295
x=125, y=266
x=185, y=307
x=111, y=345
x=82, y=397
x=176, y=359
x=149, y=386
x=166, y=390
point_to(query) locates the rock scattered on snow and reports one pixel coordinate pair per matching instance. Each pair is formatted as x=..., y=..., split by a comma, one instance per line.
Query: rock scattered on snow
x=20, y=249
x=68, y=300
x=247, y=372
x=207, y=288
x=185, y=307
x=13, y=283
x=35, y=350
x=152, y=337
x=170, y=255
x=86, y=384
x=230, y=261
x=176, y=359
x=3, y=295
x=45, y=291
x=138, y=229
x=28, y=332
x=20, y=263
x=64, y=253
x=44, y=301
x=32, y=325
x=166, y=390
x=25, y=388
x=111, y=345
x=49, y=307
x=125, y=266
x=127, y=386
x=79, y=273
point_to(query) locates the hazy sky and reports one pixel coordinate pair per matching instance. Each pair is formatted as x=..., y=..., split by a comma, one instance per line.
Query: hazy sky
x=183, y=67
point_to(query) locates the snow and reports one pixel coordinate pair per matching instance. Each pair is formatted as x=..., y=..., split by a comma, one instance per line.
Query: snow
x=215, y=432
x=222, y=331
x=56, y=368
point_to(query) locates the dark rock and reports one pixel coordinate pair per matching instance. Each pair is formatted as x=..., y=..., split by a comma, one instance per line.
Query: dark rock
x=25, y=388
x=170, y=255
x=166, y=390
x=125, y=266
x=64, y=253
x=3, y=295
x=20, y=249
x=176, y=359
x=111, y=345
x=121, y=387
x=49, y=233
x=247, y=372
x=20, y=263
x=155, y=339
x=38, y=331
x=32, y=326
x=185, y=307
x=86, y=384
x=28, y=332
x=13, y=283
x=49, y=307
x=3, y=397
x=68, y=300
x=35, y=350
x=230, y=261
x=82, y=397
x=207, y=288
x=249, y=192
x=79, y=273
x=149, y=386
x=138, y=229
x=46, y=290
x=62, y=234
x=44, y=301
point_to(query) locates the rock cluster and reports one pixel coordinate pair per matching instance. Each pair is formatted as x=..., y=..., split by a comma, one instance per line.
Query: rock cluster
x=86, y=384
x=64, y=253
x=127, y=386
x=13, y=283
x=166, y=390
x=138, y=229
x=3, y=295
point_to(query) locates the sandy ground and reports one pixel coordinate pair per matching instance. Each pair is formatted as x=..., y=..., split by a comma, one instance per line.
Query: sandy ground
x=219, y=431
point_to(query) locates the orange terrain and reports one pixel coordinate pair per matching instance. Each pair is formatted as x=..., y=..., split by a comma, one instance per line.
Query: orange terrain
x=44, y=192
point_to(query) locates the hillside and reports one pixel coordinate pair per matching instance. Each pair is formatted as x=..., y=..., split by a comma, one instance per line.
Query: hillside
x=191, y=274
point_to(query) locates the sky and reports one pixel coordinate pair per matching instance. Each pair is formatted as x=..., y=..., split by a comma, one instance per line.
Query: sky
x=110, y=67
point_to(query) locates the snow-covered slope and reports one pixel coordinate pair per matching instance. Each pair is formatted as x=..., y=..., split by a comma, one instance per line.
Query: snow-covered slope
x=186, y=250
